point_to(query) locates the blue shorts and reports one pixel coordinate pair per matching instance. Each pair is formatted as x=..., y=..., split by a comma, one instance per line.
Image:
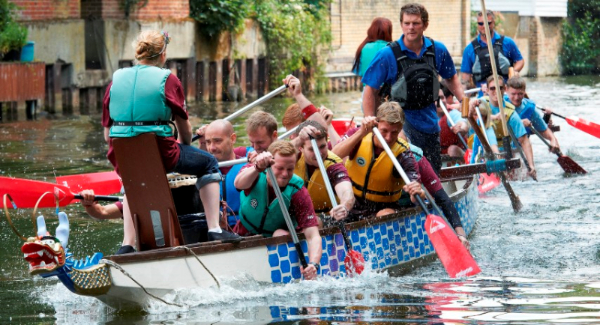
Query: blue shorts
x=428, y=142
x=193, y=161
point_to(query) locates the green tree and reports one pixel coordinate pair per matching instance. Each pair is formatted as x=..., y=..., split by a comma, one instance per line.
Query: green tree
x=581, y=31
x=215, y=16
x=12, y=34
x=296, y=31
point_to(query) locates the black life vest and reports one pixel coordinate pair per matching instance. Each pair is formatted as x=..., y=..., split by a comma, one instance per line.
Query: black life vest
x=417, y=85
x=482, y=67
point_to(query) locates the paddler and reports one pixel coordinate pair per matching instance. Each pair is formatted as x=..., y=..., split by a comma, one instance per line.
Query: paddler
x=220, y=139
x=260, y=212
x=307, y=167
x=525, y=107
x=513, y=120
x=376, y=184
x=145, y=98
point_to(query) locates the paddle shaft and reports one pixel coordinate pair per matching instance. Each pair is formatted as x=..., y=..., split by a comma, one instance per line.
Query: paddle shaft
x=101, y=198
x=514, y=198
x=250, y=106
x=481, y=123
x=397, y=165
x=453, y=124
x=492, y=57
x=544, y=140
x=544, y=110
x=288, y=133
x=471, y=91
x=286, y=216
x=520, y=150
x=330, y=191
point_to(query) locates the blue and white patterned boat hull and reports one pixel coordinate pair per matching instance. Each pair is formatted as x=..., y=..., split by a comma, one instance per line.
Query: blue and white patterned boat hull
x=384, y=245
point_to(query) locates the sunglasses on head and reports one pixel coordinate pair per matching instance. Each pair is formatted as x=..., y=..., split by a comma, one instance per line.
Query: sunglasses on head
x=480, y=23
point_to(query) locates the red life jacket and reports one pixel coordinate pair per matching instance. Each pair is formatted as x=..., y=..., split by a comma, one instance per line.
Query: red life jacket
x=447, y=137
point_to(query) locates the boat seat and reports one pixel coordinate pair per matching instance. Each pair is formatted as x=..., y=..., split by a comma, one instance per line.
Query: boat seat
x=148, y=192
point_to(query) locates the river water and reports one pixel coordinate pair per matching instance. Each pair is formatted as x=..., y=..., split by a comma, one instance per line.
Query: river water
x=538, y=266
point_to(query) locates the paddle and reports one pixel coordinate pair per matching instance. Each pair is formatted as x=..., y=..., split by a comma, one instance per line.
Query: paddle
x=583, y=125
x=288, y=219
x=251, y=105
x=453, y=124
x=102, y=183
x=26, y=193
x=520, y=150
x=354, y=261
x=514, y=198
x=486, y=182
x=506, y=139
x=567, y=164
x=455, y=257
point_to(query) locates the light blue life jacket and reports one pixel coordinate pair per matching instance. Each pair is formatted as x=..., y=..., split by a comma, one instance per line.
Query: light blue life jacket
x=138, y=102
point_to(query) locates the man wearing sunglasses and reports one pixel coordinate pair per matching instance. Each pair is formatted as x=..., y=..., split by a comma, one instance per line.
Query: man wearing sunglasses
x=476, y=59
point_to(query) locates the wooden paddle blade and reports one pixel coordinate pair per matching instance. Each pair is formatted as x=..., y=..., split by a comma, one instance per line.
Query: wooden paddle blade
x=103, y=183
x=514, y=198
x=455, y=257
x=570, y=166
x=26, y=193
x=584, y=125
x=487, y=182
x=354, y=262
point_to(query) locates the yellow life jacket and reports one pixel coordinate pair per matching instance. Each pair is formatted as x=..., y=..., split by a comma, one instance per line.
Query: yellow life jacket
x=509, y=109
x=373, y=178
x=316, y=183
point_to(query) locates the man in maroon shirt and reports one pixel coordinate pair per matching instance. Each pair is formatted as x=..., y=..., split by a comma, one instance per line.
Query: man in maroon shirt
x=281, y=158
x=376, y=183
x=307, y=168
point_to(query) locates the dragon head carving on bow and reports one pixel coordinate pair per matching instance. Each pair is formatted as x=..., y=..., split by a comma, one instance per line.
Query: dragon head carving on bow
x=46, y=253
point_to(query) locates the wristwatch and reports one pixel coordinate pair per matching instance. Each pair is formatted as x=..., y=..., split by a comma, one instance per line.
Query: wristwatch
x=316, y=265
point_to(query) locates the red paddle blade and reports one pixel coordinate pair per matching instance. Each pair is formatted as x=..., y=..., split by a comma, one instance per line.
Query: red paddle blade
x=584, y=125
x=342, y=125
x=570, y=166
x=487, y=182
x=456, y=259
x=103, y=183
x=468, y=155
x=354, y=262
x=26, y=193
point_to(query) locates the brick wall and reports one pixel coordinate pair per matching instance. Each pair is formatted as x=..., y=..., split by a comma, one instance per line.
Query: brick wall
x=154, y=10
x=350, y=20
x=39, y=10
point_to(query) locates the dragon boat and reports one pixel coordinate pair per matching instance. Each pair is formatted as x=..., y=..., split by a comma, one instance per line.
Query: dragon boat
x=165, y=263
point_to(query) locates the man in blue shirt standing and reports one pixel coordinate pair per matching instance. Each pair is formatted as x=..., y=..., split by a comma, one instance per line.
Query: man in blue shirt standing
x=407, y=72
x=476, y=59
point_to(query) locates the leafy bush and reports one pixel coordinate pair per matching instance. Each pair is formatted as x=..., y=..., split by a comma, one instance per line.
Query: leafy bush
x=580, y=52
x=295, y=31
x=12, y=34
x=215, y=16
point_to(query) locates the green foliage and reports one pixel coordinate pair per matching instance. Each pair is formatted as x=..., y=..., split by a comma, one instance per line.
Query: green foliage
x=580, y=52
x=215, y=16
x=12, y=34
x=129, y=6
x=295, y=31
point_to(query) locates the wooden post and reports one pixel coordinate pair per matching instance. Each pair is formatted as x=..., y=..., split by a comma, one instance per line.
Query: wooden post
x=254, y=77
x=189, y=75
x=219, y=80
x=56, y=85
x=241, y=66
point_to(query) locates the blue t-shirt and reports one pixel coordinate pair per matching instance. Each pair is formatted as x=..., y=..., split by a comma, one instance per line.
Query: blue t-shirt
x=383, y=69
x=367, y=54
x=509, y=48
x=527, y=111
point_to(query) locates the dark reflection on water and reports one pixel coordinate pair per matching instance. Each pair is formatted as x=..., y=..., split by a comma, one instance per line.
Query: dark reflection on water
x=538, y=266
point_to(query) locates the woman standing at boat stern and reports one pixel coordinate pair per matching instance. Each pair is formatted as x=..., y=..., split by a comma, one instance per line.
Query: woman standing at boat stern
x=145, y=98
